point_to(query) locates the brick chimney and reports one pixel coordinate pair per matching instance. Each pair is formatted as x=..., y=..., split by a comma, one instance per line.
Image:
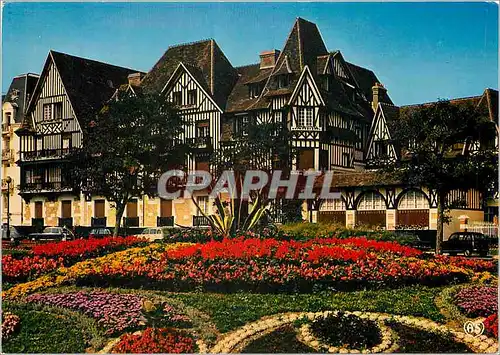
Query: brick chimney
x=134, y=79
x=378, y=92
x=268, y=59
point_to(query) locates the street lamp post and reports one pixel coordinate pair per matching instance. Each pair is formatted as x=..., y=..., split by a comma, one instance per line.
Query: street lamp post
x=8, y=180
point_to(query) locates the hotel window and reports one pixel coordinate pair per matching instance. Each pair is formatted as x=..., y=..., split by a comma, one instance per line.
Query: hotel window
x=413, y=200
x=333, y=205
x=346, y=159
x=58, y=111
x=301, y=117
x=99, y=208
x=191, y=97
x=371, y=201
x=381, y=148
x=203, y=129
x=177, y=98
x=8, y=117
x=309, y=116
x=66, y=141
x=203, y=203
x=283, y=81
x=47, y=112
x=254, y=90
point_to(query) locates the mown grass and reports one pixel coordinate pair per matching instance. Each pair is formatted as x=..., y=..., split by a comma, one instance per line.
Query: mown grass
x=230, y=311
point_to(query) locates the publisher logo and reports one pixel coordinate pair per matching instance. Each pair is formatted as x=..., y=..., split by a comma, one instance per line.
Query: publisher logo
x=474, y=328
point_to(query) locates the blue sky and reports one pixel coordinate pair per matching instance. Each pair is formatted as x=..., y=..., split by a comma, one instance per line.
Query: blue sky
x=419, y=51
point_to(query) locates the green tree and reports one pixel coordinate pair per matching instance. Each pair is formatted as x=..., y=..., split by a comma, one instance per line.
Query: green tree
x=126, y=148
x=445, y=146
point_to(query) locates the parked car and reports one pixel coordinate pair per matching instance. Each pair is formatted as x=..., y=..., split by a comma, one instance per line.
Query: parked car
x=467, y=243
x=151, y=234
x=53, y=233
x=14, y=234
x=421, y=244
x=100, y=233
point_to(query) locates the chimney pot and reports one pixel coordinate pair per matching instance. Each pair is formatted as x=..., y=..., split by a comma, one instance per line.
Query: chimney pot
x=378, y=94
x=268, y=58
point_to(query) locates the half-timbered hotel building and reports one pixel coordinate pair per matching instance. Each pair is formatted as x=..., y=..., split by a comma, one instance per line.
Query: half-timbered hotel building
x=335, y=110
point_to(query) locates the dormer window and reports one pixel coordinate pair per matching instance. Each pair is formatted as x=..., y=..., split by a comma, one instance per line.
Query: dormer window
x=14, y=95
x=283, y=81
x=254, y=90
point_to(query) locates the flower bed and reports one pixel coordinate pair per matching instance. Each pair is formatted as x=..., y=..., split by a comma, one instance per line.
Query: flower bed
x=50, y=256
x=81, y=249
x=491, y=325
x=262, y=266
x=27, y=268
x=477, y=301
x=336, y=332
x=114, y=312
x=155, y=340
x=10, y=324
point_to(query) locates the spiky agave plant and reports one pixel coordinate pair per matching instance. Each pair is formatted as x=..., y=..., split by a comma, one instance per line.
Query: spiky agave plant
x=224, y=221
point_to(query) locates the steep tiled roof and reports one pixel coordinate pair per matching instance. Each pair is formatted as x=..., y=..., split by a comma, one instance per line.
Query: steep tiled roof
x=88, y=83
x=303, y=45
x=239, y=99
x=391, y=112
x=19, y=93
x=359, y=179
x=212, y=69
x=366, y=79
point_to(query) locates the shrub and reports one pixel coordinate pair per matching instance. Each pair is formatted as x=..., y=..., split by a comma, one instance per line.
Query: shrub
x=347, y=331
x=478, y=301
x=155, y=340
x=304, y=231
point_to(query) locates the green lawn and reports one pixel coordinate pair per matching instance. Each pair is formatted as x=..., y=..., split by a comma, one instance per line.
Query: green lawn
x=230, y=311
x=51, y=330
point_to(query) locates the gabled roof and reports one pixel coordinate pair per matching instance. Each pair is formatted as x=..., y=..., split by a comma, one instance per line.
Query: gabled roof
x=19, y=93
x=88, y=83
x=303, y=46
x=212, y=69
x=366, y=79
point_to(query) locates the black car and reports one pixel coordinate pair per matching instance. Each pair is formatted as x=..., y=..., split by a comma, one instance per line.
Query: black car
x=467, y=243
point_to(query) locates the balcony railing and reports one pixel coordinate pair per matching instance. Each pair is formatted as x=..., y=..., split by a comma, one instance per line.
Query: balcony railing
x=45, y=186
x=7, y=154
x=98, y=222
x=165, y=221
x=66, y=222
x=200, y=221
x=200, y=142
x=45, y=154
x=131, y=221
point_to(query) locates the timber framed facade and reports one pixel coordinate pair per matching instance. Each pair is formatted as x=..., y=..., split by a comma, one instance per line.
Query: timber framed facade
x=336, y=113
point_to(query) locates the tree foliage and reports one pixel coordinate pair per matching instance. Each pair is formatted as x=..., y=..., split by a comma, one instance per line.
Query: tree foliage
x=129, y=144
x=445, y=146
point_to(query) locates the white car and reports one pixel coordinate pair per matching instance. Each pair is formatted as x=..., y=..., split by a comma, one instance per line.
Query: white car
x=152, y=233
